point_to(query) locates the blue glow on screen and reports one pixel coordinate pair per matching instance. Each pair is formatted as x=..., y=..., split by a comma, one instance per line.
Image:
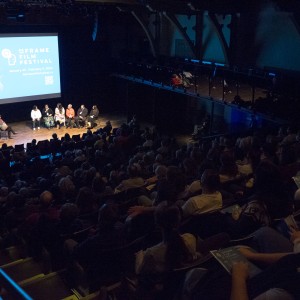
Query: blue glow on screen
x=29, y=67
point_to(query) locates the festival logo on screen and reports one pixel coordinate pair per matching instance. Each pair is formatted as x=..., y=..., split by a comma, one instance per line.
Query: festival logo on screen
x=11, y=58
x=27, y=56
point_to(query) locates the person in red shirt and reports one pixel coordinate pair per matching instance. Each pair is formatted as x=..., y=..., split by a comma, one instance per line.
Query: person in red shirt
x=70, y=114
x=176, y=80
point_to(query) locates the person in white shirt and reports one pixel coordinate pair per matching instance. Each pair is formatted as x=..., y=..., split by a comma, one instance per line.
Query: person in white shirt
x=210, y=198
x=36, y=117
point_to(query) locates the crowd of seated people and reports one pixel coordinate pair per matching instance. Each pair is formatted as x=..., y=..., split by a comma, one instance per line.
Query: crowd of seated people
x=120, y=184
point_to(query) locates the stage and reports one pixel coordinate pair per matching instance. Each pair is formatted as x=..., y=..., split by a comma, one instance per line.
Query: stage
x=26, y=134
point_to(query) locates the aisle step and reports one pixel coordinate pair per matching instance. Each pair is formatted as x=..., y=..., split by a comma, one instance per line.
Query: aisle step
x=23, y=269
x=52, y=286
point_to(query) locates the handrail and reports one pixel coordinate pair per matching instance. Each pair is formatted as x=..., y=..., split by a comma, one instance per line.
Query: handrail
x=12, y=287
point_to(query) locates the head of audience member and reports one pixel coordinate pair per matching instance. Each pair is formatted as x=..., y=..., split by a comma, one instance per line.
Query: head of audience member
x=85, y=200
x=108, y=215
x=46, y=106
x=67, y=137
x=64, y=171
x=133, y=170
x=228, y=165
x=68, y=212
x=46, y=199
x=267, y=177
x=168, y=219
x=54, y=136
x=10, y=199
x=269, y=189
x=170, y=189
x=35, y=107
x=176, y=177
x=82, y=106
x=190, y=168
x=69, y=106
x=161, y=172
x=98, y=184
x=24, y=192
x=210, y=181
x=269, y=152
x=3, y=193
x=66, y=187
x=297, y=199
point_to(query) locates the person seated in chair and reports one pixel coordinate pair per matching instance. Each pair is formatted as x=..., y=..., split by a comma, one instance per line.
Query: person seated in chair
x=36, y=116
x=107, y=128
x=176, y=81
x=5, y=127
x=92, y=117
x=174, y=251
x=59, y=117
x=48, y=118
x=210, y=198
x=70, y=115
x=82, y=113
x=109, y=234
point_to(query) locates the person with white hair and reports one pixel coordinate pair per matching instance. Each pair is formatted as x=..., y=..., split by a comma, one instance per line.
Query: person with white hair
x=134, y=180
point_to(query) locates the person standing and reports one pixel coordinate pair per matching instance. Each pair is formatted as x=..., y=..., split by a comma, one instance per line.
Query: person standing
x=59, y=116
x=82, y=113
x=70, y=115
x=92, y=117
x=5, y=127
x=36, y=117
x=47, y=114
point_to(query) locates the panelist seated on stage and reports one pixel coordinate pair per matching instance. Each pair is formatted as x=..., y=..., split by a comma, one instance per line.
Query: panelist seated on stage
x=81, y=117
x=59, y=116
x=36, y=116
x=92, y=117
x=48, y=116
x=176, y=80
x=70, y=115
x=5, y=127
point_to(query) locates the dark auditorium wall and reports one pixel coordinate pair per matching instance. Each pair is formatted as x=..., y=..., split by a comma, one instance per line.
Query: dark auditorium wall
x=269, y=39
